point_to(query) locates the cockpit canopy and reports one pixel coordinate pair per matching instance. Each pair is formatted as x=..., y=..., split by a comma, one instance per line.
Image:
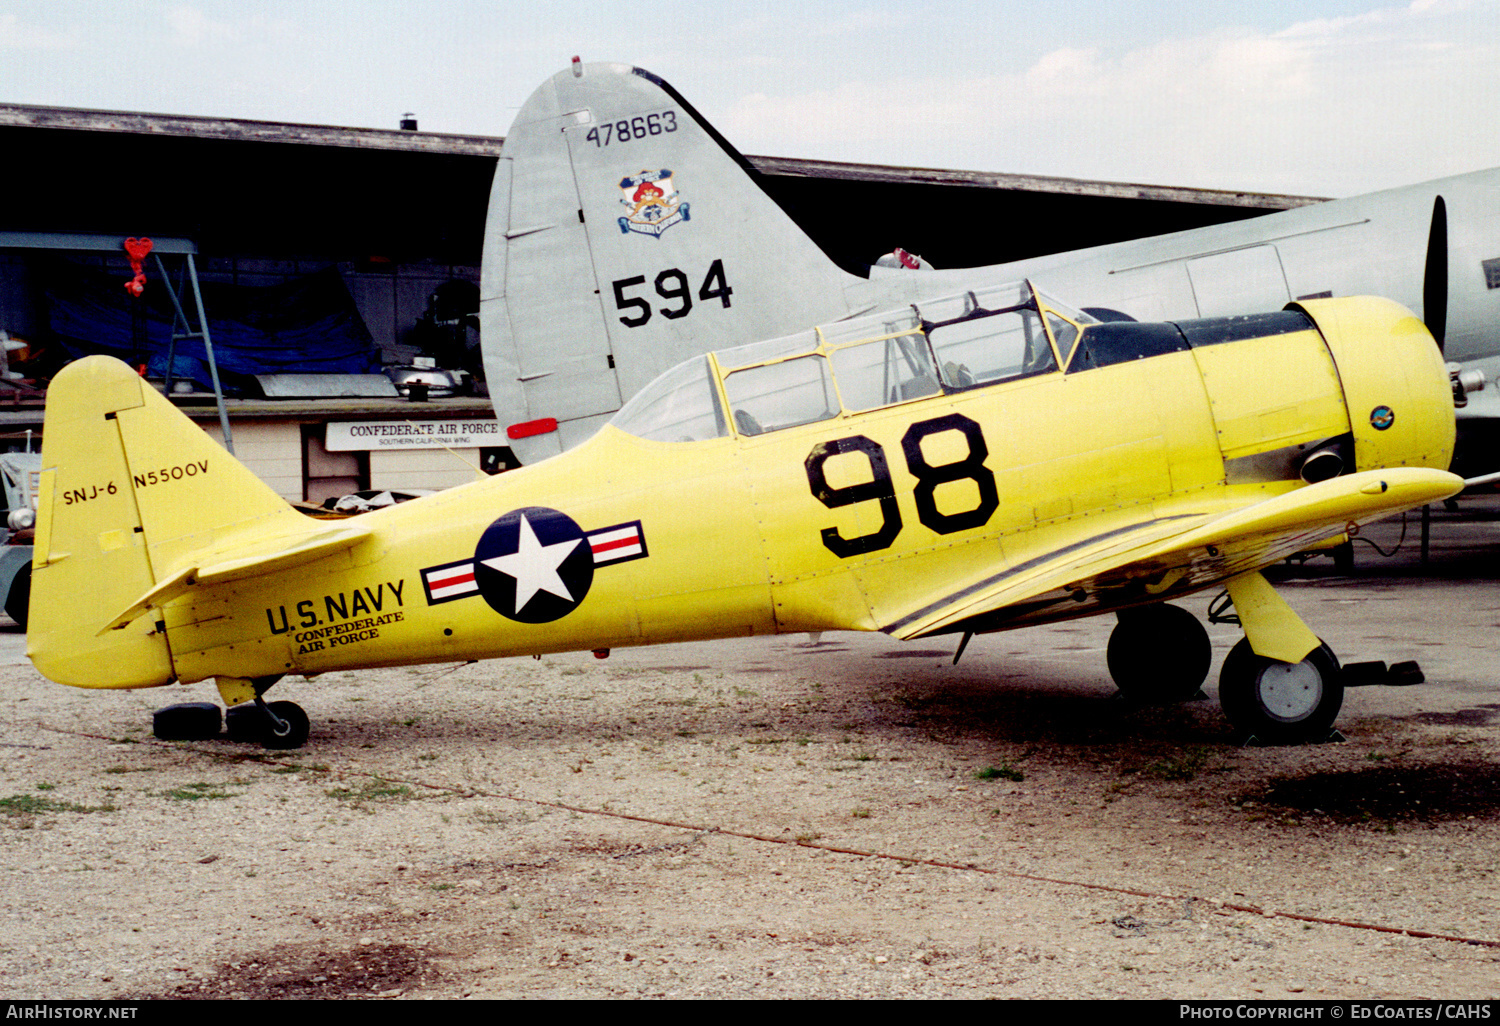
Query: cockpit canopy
x=942, y=346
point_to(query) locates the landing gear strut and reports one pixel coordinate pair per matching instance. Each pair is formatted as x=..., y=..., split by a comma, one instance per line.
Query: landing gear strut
x=276, y=725
x=1158, y=654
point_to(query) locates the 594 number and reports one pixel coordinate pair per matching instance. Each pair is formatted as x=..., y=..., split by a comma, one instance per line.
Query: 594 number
x=883, y=491
x=672, y=285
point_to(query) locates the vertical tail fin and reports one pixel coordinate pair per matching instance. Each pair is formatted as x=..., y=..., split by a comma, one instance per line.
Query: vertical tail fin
x=625, y=235
x=130, y=490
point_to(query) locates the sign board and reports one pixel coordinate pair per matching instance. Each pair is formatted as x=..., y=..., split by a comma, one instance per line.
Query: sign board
x=345, y=436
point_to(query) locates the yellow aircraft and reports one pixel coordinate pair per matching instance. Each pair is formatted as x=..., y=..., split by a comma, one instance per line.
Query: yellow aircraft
x=975, y=463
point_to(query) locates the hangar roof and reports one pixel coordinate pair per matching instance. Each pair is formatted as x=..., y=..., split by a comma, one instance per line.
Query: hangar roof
x=75, y=119
x=239, y=186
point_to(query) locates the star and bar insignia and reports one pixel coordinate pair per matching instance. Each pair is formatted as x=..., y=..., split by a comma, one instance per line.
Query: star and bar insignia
x=534, y=565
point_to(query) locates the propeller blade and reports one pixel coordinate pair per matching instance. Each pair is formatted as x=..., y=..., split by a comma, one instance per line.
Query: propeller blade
x=1435, y=277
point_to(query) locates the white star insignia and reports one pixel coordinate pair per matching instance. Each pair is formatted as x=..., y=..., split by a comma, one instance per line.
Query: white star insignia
x=534, y=566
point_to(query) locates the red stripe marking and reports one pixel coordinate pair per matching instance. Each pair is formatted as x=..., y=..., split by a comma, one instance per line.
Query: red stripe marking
x=526, y=429
x=633, y=539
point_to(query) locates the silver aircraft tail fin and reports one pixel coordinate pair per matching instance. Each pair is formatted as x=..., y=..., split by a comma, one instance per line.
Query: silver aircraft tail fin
x=624, y=236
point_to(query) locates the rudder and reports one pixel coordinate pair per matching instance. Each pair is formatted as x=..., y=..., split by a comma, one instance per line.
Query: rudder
x=625, y=235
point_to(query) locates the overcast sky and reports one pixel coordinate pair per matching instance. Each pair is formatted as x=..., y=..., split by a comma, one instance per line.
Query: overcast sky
x=1317, y=97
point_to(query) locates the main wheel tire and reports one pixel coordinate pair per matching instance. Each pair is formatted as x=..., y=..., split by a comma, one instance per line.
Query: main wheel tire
x=187, y=721
x=295, y=730
x=1281, y=703
x=1159, y=654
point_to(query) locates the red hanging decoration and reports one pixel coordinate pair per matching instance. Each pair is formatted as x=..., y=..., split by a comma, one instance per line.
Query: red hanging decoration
x=137, y=250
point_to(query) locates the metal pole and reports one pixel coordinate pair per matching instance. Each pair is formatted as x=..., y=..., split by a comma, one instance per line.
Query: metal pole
x=180, y=317
x=208, y=345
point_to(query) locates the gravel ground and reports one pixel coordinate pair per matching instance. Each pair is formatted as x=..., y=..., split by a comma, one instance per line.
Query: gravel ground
x=774, y=818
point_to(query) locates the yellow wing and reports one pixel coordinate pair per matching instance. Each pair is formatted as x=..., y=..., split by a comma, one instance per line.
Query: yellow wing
x=1172, y=554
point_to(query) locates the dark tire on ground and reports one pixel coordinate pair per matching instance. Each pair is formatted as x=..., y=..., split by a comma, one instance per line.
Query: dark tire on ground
x=246, y=723
x=1343, y=558
x=1281, y=703
x=1159, y=653
x=18, y=601
x=187, y=721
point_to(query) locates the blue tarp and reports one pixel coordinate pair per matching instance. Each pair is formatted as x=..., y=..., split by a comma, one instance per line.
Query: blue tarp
x=307, y=325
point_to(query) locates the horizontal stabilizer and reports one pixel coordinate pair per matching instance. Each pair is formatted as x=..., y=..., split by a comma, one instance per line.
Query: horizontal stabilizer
x=287, y=553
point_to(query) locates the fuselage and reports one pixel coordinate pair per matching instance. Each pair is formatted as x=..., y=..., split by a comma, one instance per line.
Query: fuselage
x=843, y=480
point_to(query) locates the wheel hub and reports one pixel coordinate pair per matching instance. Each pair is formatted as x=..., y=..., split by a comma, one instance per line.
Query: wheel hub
x=1291, y=692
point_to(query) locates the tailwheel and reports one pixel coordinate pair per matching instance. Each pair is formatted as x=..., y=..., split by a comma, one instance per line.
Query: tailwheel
x=1158, y=654
x=289, y=726
x=1281, y=703
x=274, y=725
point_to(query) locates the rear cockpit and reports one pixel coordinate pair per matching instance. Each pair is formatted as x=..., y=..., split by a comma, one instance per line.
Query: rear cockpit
x=943, y=346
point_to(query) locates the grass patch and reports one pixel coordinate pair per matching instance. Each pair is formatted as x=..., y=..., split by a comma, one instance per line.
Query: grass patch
x=1185, y=766
x=196, y=792
x=35, y=804
x=376, y=790
x=1005, y=771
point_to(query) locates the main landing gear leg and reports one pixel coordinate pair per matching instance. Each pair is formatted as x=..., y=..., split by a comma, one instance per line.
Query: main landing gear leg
x=1280, y=684
x=1158, y=654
